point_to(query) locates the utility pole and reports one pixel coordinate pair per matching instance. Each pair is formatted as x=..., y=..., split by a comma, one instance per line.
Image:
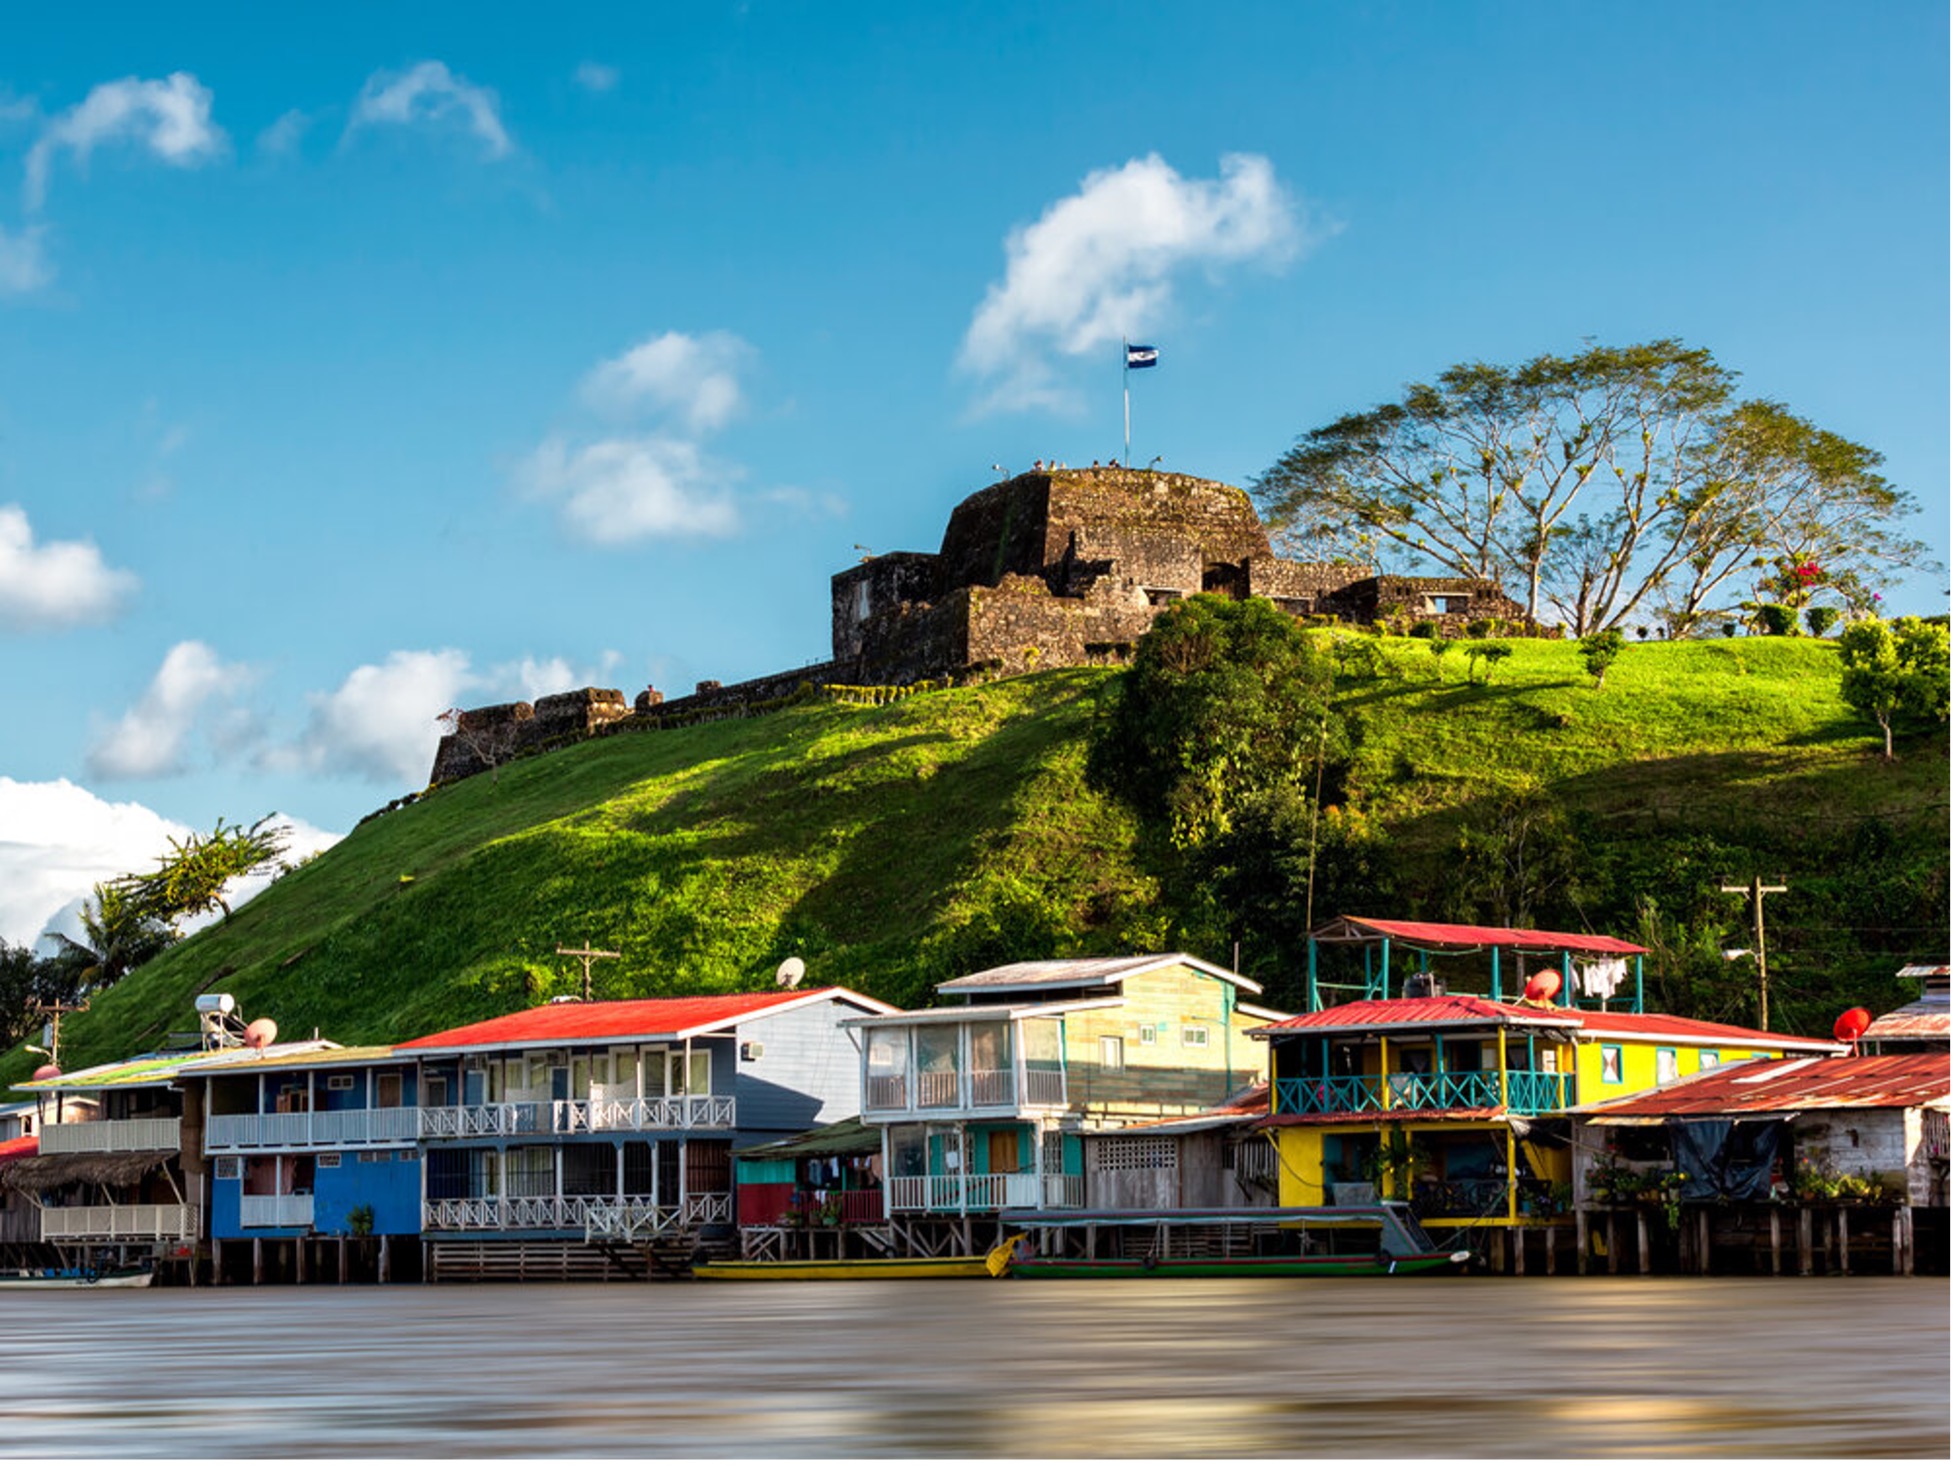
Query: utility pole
x=52, y=1012
x=588, y=954
x=1757, y=891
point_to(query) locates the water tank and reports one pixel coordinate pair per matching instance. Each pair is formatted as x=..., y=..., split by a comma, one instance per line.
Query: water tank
x=1424, y=985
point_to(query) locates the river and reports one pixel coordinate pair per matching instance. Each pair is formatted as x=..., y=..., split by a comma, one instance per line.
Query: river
x=1150, y=1367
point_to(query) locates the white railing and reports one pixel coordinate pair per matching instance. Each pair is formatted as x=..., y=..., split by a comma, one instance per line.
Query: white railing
x=275, y=1211
x=464, y=1122
x=886, y=1092
x=1046, y=1086
x=992, y=1087
x=594, y=1215
x=117, y=1223
x=319, y=1127
x=91, y=1136
x=673, y=1112
x=938, y=1089
x=983, y=1193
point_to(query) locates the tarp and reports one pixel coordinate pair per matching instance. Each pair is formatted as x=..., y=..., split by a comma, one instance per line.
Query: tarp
x=1725, y=1160
x=1442, y=934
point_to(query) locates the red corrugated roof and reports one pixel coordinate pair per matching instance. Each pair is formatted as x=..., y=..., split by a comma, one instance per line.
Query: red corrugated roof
x=19, y=1148
x=1451, y=1008
x=635, y=1018
x=1450, y=934
x=1864, y=1081
x=1665, y=1025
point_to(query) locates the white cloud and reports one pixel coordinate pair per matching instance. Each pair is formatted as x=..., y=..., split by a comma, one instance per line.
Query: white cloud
x=691, y=377
x=282, y=138
x=595, y=77
x=430, y=92
x=62, y=583
x=24, y=266
x=382, y=723
x=151, y=740
x=618, y=490
x=60, y=840
x=1098, y=265
x=171, y=118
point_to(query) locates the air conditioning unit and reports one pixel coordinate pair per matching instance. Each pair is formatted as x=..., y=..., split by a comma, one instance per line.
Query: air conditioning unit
x=751, y=1051
x=1425, y=985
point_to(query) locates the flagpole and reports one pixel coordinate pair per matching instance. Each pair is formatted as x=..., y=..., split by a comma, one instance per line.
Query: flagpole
x=1125, y=402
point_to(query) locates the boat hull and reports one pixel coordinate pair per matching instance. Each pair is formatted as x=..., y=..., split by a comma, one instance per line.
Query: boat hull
x=1234, y=1267
x=29, y=1281
x=848, y=1270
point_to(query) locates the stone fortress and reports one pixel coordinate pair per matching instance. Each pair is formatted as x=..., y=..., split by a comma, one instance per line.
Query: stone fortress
x=1053, y=568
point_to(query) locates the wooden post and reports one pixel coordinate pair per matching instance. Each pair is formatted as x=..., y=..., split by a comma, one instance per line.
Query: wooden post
x=299, y=1259
x=1774, y=1240
x=1842, y=1237
x=1611, y=1240
x=1583, y=1242
x=1498, y=1257
x=1906, y=1241
x=1644, y=1244
x=1706, y=1242
x=217, y=1262
x=340, y=1263
x=1522, y=1238
x=1805, y=1243
x=258, y=1260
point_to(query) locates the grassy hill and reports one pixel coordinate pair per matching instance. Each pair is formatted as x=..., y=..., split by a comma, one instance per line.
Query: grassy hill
x=894, y=846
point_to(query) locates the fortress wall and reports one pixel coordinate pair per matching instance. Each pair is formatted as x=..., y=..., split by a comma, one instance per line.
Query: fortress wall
x=1001, y=530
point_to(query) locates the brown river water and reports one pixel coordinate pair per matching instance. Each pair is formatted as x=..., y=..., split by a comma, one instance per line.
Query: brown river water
x=1385, y=1367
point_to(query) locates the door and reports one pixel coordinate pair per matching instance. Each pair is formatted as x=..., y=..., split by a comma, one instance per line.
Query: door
x=1003, y=1152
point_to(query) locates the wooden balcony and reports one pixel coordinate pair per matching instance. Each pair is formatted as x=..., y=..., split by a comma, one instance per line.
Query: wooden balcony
x=407, y=1124
x=627, y=1219
x=966, y=1194
x=118, y=1223
x=952, y=1091
x=397, y=1126
x=275, y=1211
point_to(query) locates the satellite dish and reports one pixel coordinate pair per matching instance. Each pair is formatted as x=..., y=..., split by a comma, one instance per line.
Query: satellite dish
x=789, y=973
x=1850, y=1026
x=48, y=1071
x=1543, y=986
x=260, y=1033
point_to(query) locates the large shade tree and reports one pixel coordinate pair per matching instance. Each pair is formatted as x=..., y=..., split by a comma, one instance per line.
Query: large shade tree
x=1595, y=486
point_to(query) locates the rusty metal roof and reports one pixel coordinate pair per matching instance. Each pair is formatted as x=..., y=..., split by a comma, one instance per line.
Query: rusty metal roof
x=1439, y=935
x=1086, y=972
x=641, y=1018
x=1663, y=1026
x=1762, y=1086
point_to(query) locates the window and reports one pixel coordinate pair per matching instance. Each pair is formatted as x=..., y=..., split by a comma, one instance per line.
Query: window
x=1195, y=1036
x=339, y=1081
x=1667, y=1063
x=1146, y=1034
x=370, y=1157
x=1546, y=1061
x=1448, y=605
x=227, y=1167
x=1111, y=1054
x=1612, y=1057
x=330, y=1161
x=1137, y=1153
x=1709, y=1058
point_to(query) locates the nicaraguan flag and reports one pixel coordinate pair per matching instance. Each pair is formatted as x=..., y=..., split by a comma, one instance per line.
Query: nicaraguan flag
x=1142, y=356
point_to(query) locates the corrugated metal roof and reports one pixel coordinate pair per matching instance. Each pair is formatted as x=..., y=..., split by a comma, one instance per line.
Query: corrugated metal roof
x=1450, y=1009
x=636, y=1018
x=1860, y=1081
x=1925, y=969
x=1444, y=934
x=1928, y=1018
x=1085, y=972
x=325, y=1058
x=1247, y=1104
x=1665, y=1025
x=151, y=1071
x=19, y=1148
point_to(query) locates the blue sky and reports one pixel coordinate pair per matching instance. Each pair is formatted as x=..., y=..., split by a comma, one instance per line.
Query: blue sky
x=359, y=362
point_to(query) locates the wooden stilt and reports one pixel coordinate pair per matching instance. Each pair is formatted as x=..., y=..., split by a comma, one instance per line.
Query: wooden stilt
x=299, y=1250
x=217, y=1262
x=1498, y=1257
x=340, y=1262
x=1805, y=1243
x=1550, y=1250
x=1644, y=1244
x=1774, y=1241
x=1611, y=1241
x=1906, y=1241
x=1521, y=1238
x=386, y=1274
x=1583, y=1242
x=1706, y=1242
x=1842, y=1237
x=258, y=1260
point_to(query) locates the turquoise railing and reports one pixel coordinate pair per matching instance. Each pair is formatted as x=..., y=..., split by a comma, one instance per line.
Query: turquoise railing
x=1475, y=1089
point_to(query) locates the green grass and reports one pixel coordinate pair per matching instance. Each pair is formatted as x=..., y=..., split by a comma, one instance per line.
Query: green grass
x=892, y=847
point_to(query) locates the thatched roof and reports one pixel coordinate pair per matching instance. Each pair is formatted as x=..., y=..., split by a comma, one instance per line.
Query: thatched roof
x=119, y=1168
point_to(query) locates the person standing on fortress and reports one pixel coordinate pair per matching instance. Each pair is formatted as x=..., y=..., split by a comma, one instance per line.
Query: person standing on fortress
x=1038, y=465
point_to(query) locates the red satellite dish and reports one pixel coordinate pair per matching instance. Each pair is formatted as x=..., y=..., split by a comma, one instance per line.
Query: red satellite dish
x=1543, y=986
x=260, y=1032
x=1850, y=1026
x=48, y=1071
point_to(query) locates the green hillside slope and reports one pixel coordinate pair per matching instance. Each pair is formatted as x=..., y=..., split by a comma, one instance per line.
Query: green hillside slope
x=892, y=847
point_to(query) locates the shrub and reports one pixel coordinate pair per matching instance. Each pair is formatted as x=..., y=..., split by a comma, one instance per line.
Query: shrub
x=1777, y=619
x=1488, y=653
x=1426, y=630
x=1821, y=619
x=1600, y=650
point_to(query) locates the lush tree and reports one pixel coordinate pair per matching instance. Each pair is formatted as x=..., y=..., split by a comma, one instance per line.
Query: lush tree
x=1593, y=484
x=1897, y=670
x=1600, y=650
x=119, y=932
x=193, y=876
x=1225, y=700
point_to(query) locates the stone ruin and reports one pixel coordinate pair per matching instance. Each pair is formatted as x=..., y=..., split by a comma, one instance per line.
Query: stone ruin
x=1054, y=568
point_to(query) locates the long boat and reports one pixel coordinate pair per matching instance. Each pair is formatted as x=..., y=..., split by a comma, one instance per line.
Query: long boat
x=853, y=1269
x=17, y=1279
x=1247, y=1242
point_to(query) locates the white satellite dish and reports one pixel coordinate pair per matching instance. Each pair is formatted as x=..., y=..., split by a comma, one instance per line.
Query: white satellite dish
x=789, y=973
